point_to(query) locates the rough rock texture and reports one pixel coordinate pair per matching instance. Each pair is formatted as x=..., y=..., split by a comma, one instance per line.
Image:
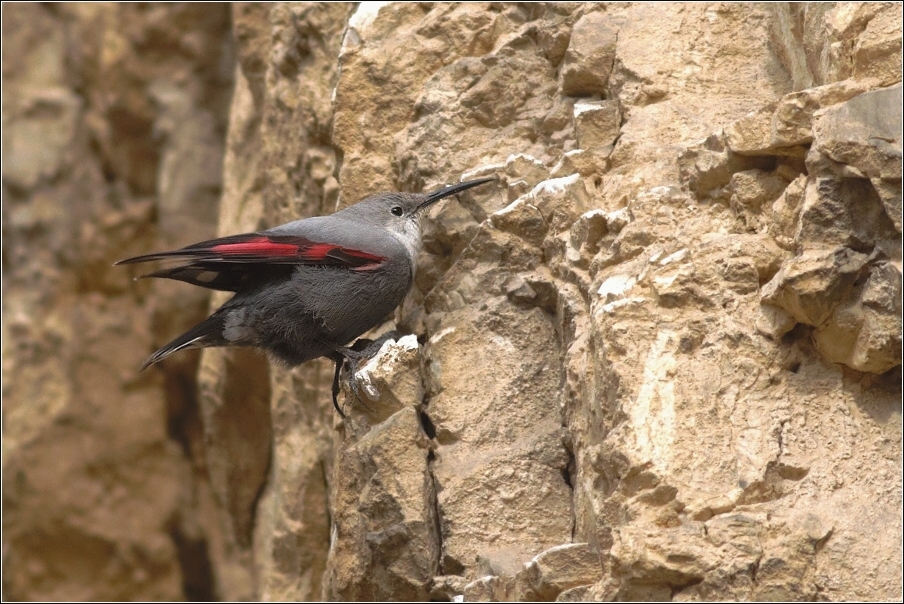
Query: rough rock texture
x=114, y=120
x=660, y=358
x=270, y=456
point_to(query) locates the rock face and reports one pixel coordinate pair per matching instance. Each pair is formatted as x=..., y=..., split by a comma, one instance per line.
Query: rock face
x=659, y=359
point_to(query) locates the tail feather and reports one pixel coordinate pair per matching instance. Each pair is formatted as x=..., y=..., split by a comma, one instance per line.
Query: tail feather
x=207, y=333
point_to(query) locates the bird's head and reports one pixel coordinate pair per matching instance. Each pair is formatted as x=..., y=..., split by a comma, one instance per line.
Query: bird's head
x=400, y=213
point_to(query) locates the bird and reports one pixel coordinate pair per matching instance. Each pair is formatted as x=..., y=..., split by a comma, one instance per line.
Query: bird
x=306, y=289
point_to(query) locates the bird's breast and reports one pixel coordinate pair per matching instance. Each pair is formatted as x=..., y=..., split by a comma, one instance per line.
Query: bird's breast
x=350, y=302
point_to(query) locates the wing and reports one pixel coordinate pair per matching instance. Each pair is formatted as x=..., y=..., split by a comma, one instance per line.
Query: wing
x=236, y=262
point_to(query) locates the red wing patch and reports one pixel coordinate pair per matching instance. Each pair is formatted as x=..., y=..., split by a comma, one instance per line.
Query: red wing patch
x=260, y=246
x=267, y=249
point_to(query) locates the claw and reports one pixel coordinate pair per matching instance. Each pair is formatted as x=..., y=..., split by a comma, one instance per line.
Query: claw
x=338, y=359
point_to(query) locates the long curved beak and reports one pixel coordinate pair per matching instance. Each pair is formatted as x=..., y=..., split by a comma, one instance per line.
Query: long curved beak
x=435, y=196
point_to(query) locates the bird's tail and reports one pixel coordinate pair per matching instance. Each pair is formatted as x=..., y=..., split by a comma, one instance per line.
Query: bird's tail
x=207, y=333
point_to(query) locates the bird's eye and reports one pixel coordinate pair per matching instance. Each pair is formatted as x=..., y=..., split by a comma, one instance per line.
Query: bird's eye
x=397, y=211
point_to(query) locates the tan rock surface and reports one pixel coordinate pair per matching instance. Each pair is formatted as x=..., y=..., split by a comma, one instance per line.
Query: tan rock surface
x=114, y=118
x=660, y=358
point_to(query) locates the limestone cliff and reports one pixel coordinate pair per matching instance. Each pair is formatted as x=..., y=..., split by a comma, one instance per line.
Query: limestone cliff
x=659, y=359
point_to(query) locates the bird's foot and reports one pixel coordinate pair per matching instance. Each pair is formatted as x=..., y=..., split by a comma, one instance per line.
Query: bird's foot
x=353, y=382
x=362, y=350
x=339, y=360
x=352, y=363
x=368, y=349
